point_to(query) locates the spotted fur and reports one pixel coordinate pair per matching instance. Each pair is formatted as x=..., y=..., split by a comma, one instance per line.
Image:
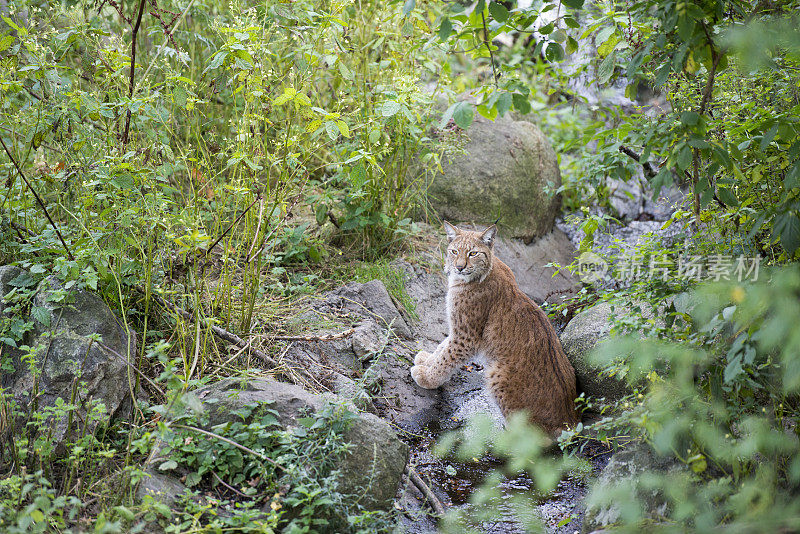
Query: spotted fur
x=488, y=314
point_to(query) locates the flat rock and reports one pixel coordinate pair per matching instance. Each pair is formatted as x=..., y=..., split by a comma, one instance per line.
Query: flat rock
x=529, y=264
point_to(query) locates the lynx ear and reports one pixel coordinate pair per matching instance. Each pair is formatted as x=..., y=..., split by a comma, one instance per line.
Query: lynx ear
x=452, y=231
x=488, y=235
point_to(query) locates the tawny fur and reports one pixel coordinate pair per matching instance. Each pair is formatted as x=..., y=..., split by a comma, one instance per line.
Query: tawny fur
x=488, y=314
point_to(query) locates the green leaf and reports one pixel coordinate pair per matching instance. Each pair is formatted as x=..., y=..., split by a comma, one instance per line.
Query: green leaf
x=179, y=94
x=390, y=108
x=169, y=465
x=690, y=118
x=727, y=196
x=346, y=73
x=193, y=479
x=5, y=42
x=124, y=512
x=343, y=128
x=684, y=158
x=288, y=94
x=408, y=6
x=20, y=30
x=603, y=35
x=503, y=103
x=768, y=137
x=216, y=61
x=498, y=12
x=488, y=112
x=463, y=114
x=559, y=36
x=321, y=213
x=445, y=29
x=554, y=52
x=332, y=129
x=685, y=27
x=609, y=45
x=606, y=68
x=447, y=115
x=733, y=369
x=41, y=314
x=521, y=103
x=375, y=135
x=787, y=227
x=572, y=45
x=792, y=179
x=574, y=4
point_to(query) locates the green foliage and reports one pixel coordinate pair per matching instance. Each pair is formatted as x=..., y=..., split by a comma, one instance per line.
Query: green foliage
x=54, y=465
x=722, y=399
x=275, y=479
x=392, y=278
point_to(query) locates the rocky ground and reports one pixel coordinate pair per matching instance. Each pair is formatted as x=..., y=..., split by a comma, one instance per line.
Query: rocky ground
x=369, y=368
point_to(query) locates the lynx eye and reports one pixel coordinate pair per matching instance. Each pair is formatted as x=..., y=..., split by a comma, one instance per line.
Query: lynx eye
x=453, y=251
x=473, y=253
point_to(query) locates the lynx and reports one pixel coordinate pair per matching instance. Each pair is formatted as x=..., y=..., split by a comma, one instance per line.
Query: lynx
x=489, y=315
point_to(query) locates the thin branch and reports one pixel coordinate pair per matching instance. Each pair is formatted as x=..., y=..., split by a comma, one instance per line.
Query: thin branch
x=649, y=171
x=221, y=333
x=716, y=55
x=38, y=199
x=489, y=47
x=258, y=226
x=229, y=442
x=234, y=223
x=323, y=337
x=133, y=71
x=129, y=364
x=431, y=497
x=48, y=147
x=237, y=492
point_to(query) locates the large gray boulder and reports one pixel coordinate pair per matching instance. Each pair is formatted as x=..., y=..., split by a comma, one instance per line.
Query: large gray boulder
x=617, y=493
x=506, y=171
x=370, y=470
x=78, y=343
x=529, y=263
x=579, y=337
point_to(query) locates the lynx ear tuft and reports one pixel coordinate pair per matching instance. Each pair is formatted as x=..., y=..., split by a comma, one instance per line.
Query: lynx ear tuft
x=488, y=235
x=452, y=231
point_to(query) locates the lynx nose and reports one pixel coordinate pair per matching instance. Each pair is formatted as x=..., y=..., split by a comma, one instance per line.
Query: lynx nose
x=461, y=267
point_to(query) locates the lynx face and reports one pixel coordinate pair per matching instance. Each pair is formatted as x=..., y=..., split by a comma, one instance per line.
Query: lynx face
x=469, y=254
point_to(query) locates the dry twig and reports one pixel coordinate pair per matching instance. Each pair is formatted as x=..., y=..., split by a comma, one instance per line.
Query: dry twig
x=431, y=497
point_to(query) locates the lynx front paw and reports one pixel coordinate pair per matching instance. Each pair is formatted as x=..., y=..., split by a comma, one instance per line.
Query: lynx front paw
x=422, y=357
x=420, y=375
